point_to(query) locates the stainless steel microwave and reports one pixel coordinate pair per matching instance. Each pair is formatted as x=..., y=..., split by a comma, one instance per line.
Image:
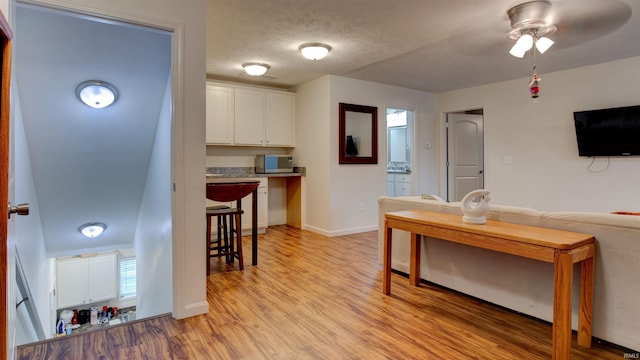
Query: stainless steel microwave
x=266, y=164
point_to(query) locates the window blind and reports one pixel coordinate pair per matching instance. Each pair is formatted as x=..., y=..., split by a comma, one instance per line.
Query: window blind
x=127, y=277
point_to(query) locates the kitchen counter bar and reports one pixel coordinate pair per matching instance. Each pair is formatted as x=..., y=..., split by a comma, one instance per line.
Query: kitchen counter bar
x=293, y=184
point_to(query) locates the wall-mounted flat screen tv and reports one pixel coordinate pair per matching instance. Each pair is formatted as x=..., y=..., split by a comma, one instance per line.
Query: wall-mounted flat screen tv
x=608, y=132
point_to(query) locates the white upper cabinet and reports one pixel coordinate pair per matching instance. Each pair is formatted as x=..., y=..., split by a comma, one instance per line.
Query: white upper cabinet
x=279, y=119
x=86, y=280
x=220, y=114
x=249, y=117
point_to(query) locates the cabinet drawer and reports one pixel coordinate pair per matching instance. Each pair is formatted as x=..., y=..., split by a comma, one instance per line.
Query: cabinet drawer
x=402, y=189
x=403, y=178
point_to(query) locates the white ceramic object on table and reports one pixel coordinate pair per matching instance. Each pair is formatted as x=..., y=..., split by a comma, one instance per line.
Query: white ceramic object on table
x=474, y=206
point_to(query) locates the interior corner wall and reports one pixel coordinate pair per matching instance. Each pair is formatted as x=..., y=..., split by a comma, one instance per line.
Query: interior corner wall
x=531, y=154
x=354, y=188
x=29, y=238
x=312, y=151
x=153, y=237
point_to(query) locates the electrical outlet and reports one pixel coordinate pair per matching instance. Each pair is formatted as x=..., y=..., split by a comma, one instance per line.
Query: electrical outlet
x=361, y=206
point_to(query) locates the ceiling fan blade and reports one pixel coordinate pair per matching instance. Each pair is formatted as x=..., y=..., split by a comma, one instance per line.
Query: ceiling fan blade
x=579, y=21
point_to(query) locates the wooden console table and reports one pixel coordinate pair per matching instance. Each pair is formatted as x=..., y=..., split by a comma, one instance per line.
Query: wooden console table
x=562, y=248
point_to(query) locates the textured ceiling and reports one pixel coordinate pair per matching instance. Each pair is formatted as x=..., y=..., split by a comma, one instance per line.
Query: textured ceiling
x=431, y=45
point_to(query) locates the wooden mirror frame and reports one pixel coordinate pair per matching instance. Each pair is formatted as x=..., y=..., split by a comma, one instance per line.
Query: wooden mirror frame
x=371, y=112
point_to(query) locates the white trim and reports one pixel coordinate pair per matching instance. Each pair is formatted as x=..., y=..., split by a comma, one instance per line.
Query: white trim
x=334, y=233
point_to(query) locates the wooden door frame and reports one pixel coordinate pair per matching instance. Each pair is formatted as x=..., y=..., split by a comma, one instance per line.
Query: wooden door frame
x=6, y=36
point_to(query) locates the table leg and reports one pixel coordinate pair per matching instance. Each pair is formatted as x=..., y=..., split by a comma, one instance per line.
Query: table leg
x=562, y=287
x=386, y=270
x=414, y=260
x=254, y=227
x=585, y=310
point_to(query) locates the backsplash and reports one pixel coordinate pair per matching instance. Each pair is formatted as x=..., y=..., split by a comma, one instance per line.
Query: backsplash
x=249, y=171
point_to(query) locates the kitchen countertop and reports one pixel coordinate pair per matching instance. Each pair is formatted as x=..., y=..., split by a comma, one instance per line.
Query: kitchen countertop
x=247, y=172
x=131, y=315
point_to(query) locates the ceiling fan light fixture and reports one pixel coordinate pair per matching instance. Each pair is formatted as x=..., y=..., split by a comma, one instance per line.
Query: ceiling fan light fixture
x=530, y=25
x=543, y=44
x=517, y=52
x=314, y=51
x=525, y=42
x=255, y=68
x=96, y=93
x=92, y=230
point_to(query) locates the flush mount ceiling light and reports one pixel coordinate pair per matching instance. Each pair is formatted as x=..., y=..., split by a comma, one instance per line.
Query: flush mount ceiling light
x=92, y=230
x=97, y=94
x=314, y=51
x=530, y=25
x=255, y=68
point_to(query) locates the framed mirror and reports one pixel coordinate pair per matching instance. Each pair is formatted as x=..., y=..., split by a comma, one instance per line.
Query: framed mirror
x=358, y=134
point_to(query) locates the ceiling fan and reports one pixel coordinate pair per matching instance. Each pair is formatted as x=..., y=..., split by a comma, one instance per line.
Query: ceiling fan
x=570, y=22
x=530, y=25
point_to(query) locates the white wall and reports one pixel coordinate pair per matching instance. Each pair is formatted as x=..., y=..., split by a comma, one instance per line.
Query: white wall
x=153, y=237
x=28, y=236
x=546, y=172
x=186, y=19
x=4, y=7
x=342, y=199
x=312, y=139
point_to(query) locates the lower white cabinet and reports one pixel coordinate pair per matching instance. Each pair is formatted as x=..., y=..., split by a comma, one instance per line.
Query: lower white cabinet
x=263, y=208
x=391, y=187
x=86, y=280
x=399, y=184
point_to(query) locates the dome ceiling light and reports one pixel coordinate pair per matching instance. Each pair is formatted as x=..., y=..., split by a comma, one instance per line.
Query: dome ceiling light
x=314, y=51
x=255, y=68
x=530, y=27
x=92, y=230
x=96, y=93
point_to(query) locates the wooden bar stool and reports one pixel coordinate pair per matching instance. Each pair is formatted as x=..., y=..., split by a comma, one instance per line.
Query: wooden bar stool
x=232, y=190
x=228, y=230
x=219, y=244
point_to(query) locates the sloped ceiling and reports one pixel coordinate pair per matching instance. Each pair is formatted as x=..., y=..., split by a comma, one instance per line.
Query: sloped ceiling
x=89, y=165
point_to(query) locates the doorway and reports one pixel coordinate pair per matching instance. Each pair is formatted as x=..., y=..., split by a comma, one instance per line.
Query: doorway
x=399, y=151
x=465, y=153
x=110, y=165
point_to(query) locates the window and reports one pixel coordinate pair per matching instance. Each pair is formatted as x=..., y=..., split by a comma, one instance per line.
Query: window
x=127, y=278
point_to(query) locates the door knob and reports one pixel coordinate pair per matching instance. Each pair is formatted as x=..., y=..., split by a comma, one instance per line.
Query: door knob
x=20, y=209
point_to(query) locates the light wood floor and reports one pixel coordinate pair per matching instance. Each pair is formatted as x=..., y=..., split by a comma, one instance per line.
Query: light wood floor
x=313, y=297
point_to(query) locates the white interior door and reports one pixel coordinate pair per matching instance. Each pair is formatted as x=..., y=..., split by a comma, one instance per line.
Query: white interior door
x=465, y=155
